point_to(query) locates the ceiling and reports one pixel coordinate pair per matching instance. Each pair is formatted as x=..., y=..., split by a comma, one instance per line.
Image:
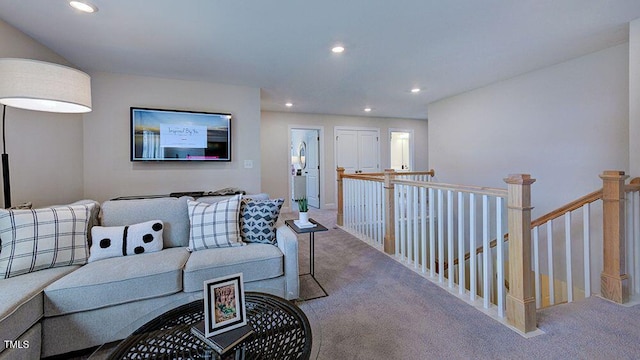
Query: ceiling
x=283, y=46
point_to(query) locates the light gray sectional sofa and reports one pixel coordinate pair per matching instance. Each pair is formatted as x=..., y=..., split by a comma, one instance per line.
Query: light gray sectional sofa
x=64, y=309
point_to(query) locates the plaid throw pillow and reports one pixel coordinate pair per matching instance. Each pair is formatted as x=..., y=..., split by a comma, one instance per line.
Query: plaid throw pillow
x=43, y=238
x=214, y=225
x=258, y=220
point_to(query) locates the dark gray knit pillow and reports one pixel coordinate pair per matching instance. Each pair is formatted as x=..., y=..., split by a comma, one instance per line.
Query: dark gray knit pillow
x=258, y=220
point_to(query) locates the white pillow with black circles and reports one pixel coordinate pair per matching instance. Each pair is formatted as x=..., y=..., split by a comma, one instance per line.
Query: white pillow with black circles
x=134, y=239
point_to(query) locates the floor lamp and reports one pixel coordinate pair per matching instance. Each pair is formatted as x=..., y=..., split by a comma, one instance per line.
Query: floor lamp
x=41, y=86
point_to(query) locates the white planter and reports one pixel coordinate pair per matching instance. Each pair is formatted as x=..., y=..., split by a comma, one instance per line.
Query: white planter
x=304, y=217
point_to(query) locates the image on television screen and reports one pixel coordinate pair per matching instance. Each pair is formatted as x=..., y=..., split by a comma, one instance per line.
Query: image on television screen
x=175, y=135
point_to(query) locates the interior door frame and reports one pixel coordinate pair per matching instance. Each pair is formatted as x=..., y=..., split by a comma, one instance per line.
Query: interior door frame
x=321, y=162
x=411, y=146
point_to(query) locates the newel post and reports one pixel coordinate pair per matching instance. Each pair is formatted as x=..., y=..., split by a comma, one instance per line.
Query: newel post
x=340, y=219
x=614, y=283
x=521, y=302
x=389, y=213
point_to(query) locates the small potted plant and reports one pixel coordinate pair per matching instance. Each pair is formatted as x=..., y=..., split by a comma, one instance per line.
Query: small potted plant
x=303, y=208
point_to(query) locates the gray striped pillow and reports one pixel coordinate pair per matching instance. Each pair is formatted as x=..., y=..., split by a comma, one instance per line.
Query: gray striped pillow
x=43, y=238
x=214, y=225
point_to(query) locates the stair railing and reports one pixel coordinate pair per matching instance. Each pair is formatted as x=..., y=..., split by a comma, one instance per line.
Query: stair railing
x=478, y=214
x=556, y=233
x=362, y=202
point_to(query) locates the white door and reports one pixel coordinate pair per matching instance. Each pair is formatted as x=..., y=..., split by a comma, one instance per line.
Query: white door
x=357, y=150
x=368, y=151
x=347, y=150
x=312, y=170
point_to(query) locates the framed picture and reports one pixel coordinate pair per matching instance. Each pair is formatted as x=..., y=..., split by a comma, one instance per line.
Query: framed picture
x=224, y=306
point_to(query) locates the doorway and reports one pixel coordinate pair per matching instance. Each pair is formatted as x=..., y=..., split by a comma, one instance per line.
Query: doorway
x=401, y=149
x=305, y=165
x=357, y=150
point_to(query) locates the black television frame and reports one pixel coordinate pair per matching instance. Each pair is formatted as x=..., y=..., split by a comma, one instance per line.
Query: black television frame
x=187, y=113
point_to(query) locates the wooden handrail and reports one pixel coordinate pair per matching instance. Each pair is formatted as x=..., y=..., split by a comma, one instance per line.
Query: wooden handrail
x=378, y=176
x=367, y=176
x=574, y=205
x=431, y=172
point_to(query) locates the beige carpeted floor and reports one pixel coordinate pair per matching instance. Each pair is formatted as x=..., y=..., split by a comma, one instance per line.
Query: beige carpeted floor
x=378, y=309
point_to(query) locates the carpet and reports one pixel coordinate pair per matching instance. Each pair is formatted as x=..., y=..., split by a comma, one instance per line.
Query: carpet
x=378, y=309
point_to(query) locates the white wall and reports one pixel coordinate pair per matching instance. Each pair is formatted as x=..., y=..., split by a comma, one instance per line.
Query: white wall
x=563, y=124
x=634, y=97
x=45, y=149
x=108, y=171
x=274, y=135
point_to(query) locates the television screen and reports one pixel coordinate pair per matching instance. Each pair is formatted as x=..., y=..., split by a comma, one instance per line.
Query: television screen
x=175, y=135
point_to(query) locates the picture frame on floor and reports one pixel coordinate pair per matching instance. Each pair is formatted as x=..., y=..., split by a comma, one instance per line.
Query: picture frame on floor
x=224, y=304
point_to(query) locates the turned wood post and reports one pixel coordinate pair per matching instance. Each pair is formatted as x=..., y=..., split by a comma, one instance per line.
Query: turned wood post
x=521, y=302
x=389, y=213
x=340, y=219
x=614, y=282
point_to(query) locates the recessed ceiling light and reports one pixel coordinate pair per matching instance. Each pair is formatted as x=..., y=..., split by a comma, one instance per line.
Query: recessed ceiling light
x=415, y=90
x=367, y=109
x=337, y=49
x=83, y=6
x=288, y=104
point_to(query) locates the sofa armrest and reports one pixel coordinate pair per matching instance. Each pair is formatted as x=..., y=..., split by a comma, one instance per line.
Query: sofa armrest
x=288, y=244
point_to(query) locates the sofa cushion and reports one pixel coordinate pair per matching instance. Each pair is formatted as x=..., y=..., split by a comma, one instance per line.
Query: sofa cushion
x=116, y=281
x=21, y=300
x=258, y=219
x=172, y=212
x=43, y=238
x=134, y=239
x=255, y=261
x=214, y=225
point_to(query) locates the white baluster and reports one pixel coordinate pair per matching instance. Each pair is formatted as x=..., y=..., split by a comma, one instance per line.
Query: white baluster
x=440, y=236
x=629, y=238
x=586, y=233
x=567, y=234
x=376, y=213
x=403, y=221
x=636, y=241
x=450, y=237
x=423, y=228
x=361, y=210
x=500, y=257
x=356, y=208
x=347, y=203
x=552, y=298
x=410, y=219
x=382, y=223
x=432, y=233
x=461, y=249
x=536, y=266
x=396, y=214
x=416, y=235
x=472, y=247
x=371, y=210
x=486, y=252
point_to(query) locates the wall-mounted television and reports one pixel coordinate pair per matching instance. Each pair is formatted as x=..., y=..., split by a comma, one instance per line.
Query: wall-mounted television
x=177, y=135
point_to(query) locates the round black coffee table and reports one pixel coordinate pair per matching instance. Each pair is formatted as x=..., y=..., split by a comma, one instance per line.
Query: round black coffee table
x=282, y=331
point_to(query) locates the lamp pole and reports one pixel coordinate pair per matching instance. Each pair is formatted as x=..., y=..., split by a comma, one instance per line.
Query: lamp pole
x=5, y=165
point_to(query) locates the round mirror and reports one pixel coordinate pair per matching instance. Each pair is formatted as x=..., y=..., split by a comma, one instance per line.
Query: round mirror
x=302, y=154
